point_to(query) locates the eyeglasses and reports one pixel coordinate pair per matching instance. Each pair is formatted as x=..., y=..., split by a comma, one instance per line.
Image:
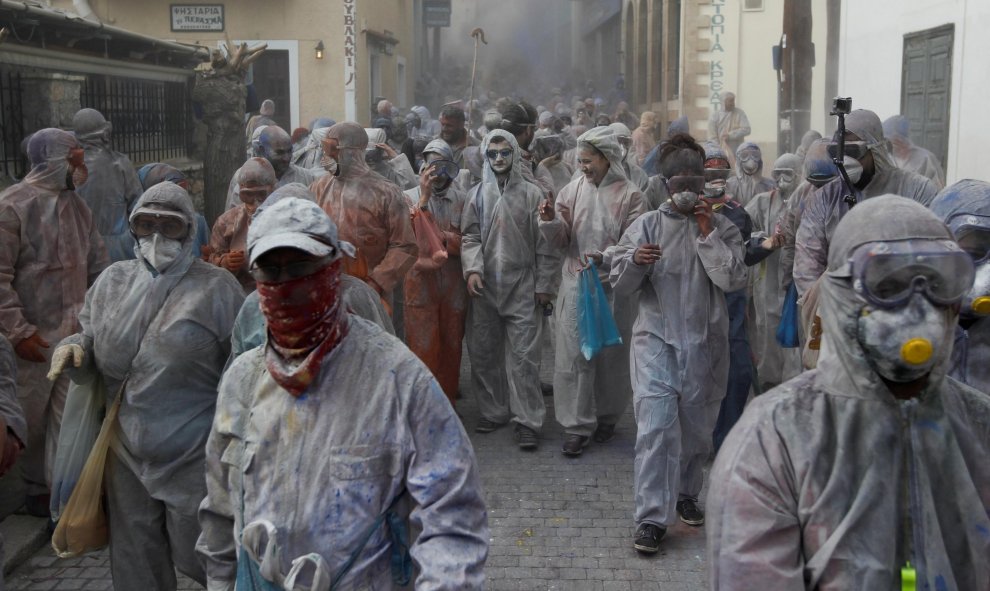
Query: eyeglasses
x=888, y=274
x=856, y=150
x=276, y=273
x=686, y=184
x=167, y=226
x=504, y=153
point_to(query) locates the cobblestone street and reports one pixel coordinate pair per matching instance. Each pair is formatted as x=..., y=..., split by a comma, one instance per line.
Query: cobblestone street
x=556, y=522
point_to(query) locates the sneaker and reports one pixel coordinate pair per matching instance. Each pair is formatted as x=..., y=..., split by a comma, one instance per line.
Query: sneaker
x=690, y=513
x=526, y=437
x=486, y=426
x=604, y=433
x=648, y=538
x=574, y=444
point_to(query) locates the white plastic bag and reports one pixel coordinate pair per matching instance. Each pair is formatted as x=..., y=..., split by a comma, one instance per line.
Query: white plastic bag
x=81, y=421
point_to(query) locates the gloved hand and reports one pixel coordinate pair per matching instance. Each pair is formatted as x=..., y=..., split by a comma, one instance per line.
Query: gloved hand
x=30, y=349
x=233, y=260
x=61, y=357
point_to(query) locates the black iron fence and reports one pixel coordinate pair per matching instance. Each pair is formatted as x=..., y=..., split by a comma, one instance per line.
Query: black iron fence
x=152, y=120
x=13, y=161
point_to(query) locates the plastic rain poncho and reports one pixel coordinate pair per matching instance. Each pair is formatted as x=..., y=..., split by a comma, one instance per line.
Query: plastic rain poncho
x=915, y=159
x=436, y=300
x=369, y=211
x=743, y=187
x=270, y=139
x=733, y=124
x=112, y=186
x=590, y=219
x=311, y=153
x=396, y=170
x=972, y=347
x=826, y=206
x=371, y=429
x=502, y=243
x=168, y=335
x=809, y=490
x=679, y=358
x=774, y=364
x=50, y=252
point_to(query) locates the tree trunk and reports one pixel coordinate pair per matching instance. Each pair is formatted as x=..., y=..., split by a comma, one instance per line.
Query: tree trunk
x=222, y=98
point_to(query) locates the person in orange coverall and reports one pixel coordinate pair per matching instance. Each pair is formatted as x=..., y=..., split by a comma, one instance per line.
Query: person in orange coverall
x=435, y=292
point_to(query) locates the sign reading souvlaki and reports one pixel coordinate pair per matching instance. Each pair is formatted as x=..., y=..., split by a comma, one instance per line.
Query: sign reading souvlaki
x=197, y=17
x=350, y=59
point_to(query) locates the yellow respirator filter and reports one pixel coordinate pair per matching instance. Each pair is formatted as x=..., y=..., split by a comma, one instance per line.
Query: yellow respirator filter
x=917, y=351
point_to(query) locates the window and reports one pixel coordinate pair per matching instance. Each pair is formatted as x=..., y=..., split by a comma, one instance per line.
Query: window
x=753, y=5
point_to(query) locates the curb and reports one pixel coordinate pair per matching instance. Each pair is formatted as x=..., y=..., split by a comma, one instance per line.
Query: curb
x=23, y=535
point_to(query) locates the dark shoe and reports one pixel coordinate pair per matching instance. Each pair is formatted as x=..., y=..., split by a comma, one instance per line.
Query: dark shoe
x=604, y=433
x=546, y=388
x=526, y=437
x=486, y=426
x=37, y=505
x=648, y=538
x=574, y=444
x=690, y=513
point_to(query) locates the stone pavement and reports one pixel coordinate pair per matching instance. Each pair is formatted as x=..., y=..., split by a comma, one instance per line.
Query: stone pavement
x=556, y=522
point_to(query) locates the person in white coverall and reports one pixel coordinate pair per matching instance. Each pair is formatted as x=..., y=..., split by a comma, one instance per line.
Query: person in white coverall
x=510, y=270
x=588, y=217
x=870, y=470
x=332, y=439
x=680, y=260
x=157, y=331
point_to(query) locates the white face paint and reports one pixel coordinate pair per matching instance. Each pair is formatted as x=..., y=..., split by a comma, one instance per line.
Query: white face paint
x=160, y=252
x=502, y=161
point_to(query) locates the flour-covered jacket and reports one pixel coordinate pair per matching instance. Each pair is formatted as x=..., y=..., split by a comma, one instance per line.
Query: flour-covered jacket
x=322, y=467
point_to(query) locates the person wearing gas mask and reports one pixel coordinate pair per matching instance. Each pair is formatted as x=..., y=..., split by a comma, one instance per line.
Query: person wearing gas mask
x=587, y=219
x=774, y=364
x=384, y=160
x=275, y=146
x=435, y=294
x=50, y=252
x=155, y=331
x=909, y=156
x=965, y=208
x=370, y=212
x=817, y=171
x=741, y=370
x=350, y=440
x=159, y=172
x=255, y=181
x=872, y=172
x=869, y=472
x=680, y=259
x=748, y=182
x=510, y=272
x=111, y=187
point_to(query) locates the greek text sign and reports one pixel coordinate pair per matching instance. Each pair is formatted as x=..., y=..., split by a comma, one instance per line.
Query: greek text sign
x=197, y=17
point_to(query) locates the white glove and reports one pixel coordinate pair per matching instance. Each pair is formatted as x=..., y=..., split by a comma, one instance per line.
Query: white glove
x=61, y=357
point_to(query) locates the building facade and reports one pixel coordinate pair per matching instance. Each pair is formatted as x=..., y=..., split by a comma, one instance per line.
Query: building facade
x=325, y=58
x=912, y=59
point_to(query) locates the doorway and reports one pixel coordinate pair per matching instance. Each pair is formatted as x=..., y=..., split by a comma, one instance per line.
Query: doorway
x=271, y=81
x=925, y=88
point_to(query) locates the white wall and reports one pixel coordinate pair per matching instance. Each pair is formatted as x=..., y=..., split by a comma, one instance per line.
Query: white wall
x=870, y=63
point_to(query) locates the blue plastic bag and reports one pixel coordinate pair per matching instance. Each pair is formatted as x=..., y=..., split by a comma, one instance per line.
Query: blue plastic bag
x=596, y=325
x=790, y=320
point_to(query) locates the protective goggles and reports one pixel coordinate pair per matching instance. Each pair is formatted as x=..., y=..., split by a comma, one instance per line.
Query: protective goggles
x=717, y=174
x=887, y=274
x=445, y=168
x=972, y=232
x=166, y=225
x=686, y=184
x=275, y=273
x=856, y=150
x=748, y=157
x=504, y=153
x=786, y=174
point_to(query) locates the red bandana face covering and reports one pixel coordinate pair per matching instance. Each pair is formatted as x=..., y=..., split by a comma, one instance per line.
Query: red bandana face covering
x=305, y=322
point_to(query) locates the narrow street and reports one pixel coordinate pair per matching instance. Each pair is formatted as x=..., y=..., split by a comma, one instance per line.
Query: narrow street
x=556, y=522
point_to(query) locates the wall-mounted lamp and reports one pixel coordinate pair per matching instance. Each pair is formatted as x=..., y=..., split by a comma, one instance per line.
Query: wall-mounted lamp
x=319, y=50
